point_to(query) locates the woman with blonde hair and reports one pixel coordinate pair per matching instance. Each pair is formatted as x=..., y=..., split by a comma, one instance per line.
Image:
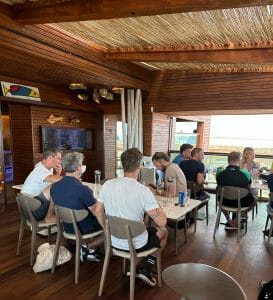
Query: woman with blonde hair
x=248, y=163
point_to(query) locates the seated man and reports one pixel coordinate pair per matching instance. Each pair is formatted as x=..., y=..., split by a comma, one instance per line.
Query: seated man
x=194, y=170
x=185, y=153
x=125, y=197
x=44, y=173
x=71, y=193
x=162, y=162
x=234, y=176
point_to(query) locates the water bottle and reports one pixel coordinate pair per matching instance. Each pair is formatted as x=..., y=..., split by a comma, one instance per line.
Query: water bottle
x=97, y=182
x=171, y=187
x=97, y=176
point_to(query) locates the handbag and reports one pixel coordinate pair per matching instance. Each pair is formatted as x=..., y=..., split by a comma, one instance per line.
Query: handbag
x=45, y=256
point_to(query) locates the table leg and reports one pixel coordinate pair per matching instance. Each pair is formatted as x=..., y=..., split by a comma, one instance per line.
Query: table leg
x=185, y=229
x=176, y=236
x=195, y=218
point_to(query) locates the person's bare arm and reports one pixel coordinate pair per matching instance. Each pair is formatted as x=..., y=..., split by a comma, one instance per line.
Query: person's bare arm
x=98, y=211
x=158, y=216
x=50, y=216
x=52, y=178
x=200, y=179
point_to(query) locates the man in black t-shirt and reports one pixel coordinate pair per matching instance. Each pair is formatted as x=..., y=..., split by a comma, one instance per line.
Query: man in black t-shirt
x=234, y=176
x=194, y=170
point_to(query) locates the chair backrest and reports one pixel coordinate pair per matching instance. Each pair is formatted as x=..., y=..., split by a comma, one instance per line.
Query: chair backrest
x=70, y=216
x=195, y=187
x=123, y=229
x=26, y=204
x=200, y=281
x=232, y=192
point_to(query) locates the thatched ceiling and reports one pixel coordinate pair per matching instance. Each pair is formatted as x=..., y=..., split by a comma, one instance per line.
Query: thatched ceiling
x=209, y=36
x=132, y=38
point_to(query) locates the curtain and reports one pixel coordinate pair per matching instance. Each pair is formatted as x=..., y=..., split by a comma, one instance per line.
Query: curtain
x=134, y=119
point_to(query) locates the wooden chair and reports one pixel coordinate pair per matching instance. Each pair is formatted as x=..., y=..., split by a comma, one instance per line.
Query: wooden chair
x=195, y=188
x=235, y=194
x=71, y=216
x=126, y=229
x=27, y=204
x=200, y=281
x=269, y=217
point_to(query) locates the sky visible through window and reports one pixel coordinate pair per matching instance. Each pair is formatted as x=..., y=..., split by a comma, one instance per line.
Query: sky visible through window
x=239, y=131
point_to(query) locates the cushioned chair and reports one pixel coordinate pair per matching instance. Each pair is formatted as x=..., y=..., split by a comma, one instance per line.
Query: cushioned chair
x=195, y=188
x=202, y=282
x=126, y=229
x=72, y=216
x=269, y=217
x=27, y=204
x=235, y=194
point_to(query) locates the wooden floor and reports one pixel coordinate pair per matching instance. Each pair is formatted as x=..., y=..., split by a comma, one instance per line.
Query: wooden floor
x=247, y=261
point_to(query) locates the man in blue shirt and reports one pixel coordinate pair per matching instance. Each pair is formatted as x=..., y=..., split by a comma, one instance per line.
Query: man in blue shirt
x=71, y=193
x=185, y=153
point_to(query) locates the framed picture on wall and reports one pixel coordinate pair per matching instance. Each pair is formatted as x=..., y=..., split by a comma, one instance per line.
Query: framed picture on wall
x=20, y=91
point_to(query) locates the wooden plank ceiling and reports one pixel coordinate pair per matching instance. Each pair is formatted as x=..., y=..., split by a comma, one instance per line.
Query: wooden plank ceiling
x=108, y=43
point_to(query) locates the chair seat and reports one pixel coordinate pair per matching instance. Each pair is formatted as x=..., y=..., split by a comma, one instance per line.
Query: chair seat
x=127, y=255
x=234, y=209
x=72, y=236
x=42, y=223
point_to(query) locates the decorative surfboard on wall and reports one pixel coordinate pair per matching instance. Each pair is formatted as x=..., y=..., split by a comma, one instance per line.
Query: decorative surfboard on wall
x=20, y=91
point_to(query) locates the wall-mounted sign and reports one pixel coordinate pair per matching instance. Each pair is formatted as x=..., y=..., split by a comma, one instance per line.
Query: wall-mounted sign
x=20, y=91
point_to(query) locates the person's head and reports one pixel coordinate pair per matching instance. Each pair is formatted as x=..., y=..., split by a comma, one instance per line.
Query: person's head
x=72, y=163
x=234, y=158
x=161, y=160
x=185, y=150
x=131, y=160
x=52, y=157
x=197, y=154
x=248, y=154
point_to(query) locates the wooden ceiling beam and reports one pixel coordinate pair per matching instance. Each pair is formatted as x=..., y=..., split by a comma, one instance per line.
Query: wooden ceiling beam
x=82, y=10
x=204, y=56
x=29, y=47
x=7, y=15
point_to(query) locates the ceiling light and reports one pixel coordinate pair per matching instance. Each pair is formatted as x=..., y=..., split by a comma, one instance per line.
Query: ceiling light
x=82, y=96
x=96, y=96
x=103, y=93
x=116, y=89
x=77, y=86
x=110, y=96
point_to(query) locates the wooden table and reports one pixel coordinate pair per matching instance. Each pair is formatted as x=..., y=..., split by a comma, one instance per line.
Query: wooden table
x=178, y=213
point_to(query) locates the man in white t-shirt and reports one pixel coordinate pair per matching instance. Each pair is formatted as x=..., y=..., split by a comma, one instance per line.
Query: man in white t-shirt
x=126, y=198
x=44, y=173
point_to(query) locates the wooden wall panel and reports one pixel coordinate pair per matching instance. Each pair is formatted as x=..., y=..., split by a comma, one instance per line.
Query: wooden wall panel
x=21, y=131
x=156, y=133
x=110, y=152
x=223, y=93
x=94, y=159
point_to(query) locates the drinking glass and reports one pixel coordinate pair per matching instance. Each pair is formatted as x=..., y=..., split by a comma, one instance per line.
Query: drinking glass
x=160, y=187
x=188, y=197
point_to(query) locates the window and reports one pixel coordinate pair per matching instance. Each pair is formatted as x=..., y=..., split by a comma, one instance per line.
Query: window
x=185, y=133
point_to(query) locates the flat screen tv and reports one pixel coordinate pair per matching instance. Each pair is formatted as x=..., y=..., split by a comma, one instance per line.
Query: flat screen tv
x=73, y=139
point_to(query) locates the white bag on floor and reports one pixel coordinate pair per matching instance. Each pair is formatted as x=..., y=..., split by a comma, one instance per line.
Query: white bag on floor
x=45, y=255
